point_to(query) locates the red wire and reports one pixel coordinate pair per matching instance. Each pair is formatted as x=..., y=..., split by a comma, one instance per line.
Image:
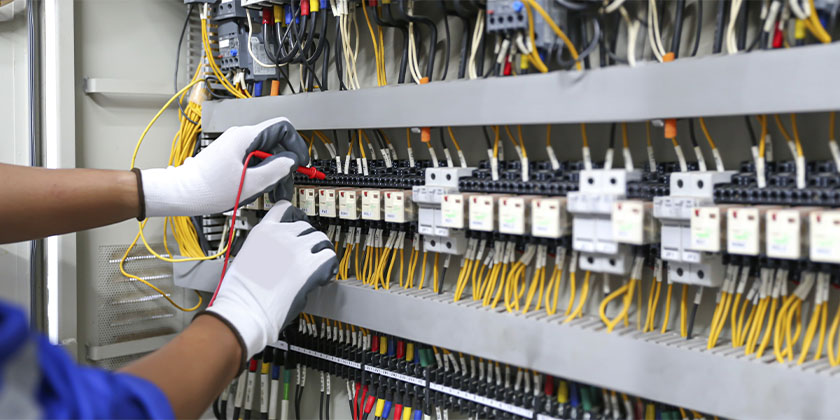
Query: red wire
x=232, y=224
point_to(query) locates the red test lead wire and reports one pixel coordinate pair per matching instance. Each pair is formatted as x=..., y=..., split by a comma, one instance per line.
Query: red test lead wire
x=310, y=172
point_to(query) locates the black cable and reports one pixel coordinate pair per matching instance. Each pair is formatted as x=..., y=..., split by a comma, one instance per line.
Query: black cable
x=223, y=408
x=487, y=137
x=753, y=139
x=321, y=407
x=216, y=412
x=612, y=135
x=37, y=288
x=720, y=20
x=596, y=28
x=698, y=30
x=327, y=409
x=691, y=320
x=178, y=61
x=745, y=22
x=466, y=45
x=202, y=239
x=577, y=7
x=339, y=57
x=212, y=93
x=236, y=411
x=448, y=41
x=678, y=24
x=691, y=132
x=479, y=56
x=404, y=31
x=432, y=36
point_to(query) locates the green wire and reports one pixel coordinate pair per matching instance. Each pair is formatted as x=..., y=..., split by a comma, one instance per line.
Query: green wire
x=584, y=396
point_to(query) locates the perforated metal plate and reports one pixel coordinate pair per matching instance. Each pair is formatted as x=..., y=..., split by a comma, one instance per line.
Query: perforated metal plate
x=127, y=309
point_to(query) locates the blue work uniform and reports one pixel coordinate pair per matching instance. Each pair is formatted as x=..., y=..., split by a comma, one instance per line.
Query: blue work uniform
x=40, y=380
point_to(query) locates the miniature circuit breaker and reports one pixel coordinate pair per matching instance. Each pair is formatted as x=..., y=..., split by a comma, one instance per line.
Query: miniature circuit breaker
x=691, y=191
x=592, y=226
x=430, y=197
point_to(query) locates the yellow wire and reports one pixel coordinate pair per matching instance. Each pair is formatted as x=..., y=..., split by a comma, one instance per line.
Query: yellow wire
x=823, y=322
x=452, y=137
x=510, y=137
x=548, y=135
x=375, y=47
x=834, y=357
x=435, y=285
x=733, y=325
x=566, y=41
x=423, y=271
x=496, y=141
x=584, y=293
x=534, y=55
x=815, y=26
x=769, y=331
x=809, y=334
x=684, y=311
x=152, y=286
x=583, y=135
x=624, y=140
x=762, y=141
x=521, y=142
x=667, y=314
x=223, y=80
x=706, y=133
x=572, y=293
x=795, y=134
x=361, y=146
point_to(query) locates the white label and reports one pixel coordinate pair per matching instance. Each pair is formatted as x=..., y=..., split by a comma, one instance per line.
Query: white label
x=224, y=43
x=743, y=231
x=482, y=209
x=512, y=215
x=825, y=236
x=706, y=223
x=308, y=201
x=783, y=234
x=548, y=217
x=452, y=211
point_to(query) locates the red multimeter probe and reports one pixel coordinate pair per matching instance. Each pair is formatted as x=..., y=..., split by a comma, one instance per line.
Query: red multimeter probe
x=311, y=172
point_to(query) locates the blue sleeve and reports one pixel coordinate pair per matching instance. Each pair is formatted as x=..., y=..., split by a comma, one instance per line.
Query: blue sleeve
x=62, y=389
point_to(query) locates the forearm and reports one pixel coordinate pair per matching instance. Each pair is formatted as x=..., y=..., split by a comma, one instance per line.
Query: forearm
x=194, y=367
x=41, y=202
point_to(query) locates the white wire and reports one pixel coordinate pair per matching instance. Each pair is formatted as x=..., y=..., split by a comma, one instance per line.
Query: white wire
x=632, y=34
x=615, y=5
x=477, y=33
x=654, y=35
x=801, y=12
x=731, y=43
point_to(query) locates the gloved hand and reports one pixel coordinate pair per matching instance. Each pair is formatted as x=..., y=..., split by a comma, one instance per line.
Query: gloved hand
x=265, y=288
x=208, y=182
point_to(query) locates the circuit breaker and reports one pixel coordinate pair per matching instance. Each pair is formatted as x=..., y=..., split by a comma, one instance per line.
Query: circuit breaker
x=689, y=191
x=592, y=226
x=430, y=197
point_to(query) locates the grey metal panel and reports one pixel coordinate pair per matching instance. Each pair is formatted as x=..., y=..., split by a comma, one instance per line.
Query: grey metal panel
x=754, y=83
x=679, y=372
x=126, y=87
x=126, y=348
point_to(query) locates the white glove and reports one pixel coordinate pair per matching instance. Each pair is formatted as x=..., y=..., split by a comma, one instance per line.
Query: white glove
x=208, y=182
x=265, y=288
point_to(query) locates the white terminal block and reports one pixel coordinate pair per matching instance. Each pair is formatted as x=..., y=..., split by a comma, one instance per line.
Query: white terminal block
x=267, y=204
x=549, y=218
x=398, y=206
x=307, y=201
x=453, y=211
x=515, y=214
x=349, y=204
x=686, y=264
x=255, y=205
x=633, y=222
x=619, y=263
x=787, y=232
x=372, y=205
x=454, y=244
x=824, y=235
x=708, y=229
x=430, y=198
x=327, y=203
x=295, y=196
x=745, y=230
x=482, y=212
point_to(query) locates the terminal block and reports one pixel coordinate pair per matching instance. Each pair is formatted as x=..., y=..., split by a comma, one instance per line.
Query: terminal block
x=688, y=191
x=822, y=186
x=543, y=179
x=592, y=227
x=229, y=9
x=506, y=16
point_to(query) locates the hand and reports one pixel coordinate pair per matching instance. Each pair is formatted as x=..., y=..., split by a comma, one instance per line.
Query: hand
x=208, y=182
x=265, y=288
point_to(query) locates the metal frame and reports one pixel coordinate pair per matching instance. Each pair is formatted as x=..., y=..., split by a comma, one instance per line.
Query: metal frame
x=659, y=367
x=710, y=86
x=92, y=85
x=59, y=124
